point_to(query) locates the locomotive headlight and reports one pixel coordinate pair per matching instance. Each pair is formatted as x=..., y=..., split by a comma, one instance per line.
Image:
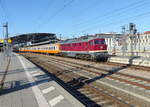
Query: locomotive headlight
x=101, y=47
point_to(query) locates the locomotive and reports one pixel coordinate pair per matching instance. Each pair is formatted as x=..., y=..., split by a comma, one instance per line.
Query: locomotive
x=84, y=48
x=87, y=48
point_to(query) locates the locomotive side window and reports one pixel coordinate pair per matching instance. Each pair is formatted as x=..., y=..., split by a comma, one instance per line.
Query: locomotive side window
x=103, y=42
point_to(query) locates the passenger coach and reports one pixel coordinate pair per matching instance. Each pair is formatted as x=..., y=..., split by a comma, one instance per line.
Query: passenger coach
x=42, y=48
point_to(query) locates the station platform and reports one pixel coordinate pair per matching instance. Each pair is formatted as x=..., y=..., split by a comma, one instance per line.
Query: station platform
x=26, y=85
x=140, y=61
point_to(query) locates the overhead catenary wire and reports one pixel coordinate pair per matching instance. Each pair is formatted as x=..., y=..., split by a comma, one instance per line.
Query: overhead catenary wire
x=120, y=14
x=122, y=9
x=118, y=22
x=56, y=13
x=90, y=26
x=106, y=20
x=43, y=14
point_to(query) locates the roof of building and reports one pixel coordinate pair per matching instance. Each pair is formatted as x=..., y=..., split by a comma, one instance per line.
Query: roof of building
x=147, y=32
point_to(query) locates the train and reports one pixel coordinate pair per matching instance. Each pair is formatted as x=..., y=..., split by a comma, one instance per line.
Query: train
x=83, y=48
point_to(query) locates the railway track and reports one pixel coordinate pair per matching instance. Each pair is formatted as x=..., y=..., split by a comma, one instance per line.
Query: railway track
x=74, y=79
x=142, y=68
x=112, y=74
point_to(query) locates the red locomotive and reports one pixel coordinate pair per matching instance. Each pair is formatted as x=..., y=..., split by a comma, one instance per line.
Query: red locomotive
x=85, y=48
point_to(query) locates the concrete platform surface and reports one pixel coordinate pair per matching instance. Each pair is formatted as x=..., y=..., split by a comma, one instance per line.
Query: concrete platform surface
x=131, y=60
x=3, y=65
x=28, y=86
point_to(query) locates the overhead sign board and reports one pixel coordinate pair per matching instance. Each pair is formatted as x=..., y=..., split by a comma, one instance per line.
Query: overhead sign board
x=9, y=40
x=1, y=41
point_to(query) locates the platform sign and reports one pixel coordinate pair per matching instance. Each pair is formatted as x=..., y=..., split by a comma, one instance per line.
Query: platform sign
x=9, y=41
x=1, y=41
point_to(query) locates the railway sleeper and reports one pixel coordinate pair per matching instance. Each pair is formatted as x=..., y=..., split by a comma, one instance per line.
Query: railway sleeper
x=62, y=77
x=106, y=103
x=91, y=95
x=73, y=84
x=86, y=92
x=98, y=98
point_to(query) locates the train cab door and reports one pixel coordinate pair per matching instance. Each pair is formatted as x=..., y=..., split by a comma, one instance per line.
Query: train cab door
x=91, y=45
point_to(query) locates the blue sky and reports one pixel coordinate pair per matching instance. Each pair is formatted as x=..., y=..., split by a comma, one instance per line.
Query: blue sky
x=73, y=18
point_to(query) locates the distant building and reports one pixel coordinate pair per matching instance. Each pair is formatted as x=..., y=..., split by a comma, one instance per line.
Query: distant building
x=113, y=41
x=140, y=45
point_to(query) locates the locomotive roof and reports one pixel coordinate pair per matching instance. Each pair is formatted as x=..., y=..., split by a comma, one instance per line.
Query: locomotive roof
x=81, y=39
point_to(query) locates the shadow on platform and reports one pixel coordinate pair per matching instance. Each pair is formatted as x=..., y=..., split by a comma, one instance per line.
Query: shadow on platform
x=13, y=86
x=17, y=71
x=76, y=84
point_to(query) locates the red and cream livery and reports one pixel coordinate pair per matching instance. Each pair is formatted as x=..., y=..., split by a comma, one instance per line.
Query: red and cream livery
x=94, y=49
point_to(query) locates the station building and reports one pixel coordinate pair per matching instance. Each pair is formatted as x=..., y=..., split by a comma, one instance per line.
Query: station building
x=140, y=44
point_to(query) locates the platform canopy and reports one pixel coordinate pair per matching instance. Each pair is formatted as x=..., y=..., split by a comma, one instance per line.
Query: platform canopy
x=31, y=38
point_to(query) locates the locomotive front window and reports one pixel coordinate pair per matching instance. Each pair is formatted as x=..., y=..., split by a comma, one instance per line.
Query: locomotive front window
x=97, y=42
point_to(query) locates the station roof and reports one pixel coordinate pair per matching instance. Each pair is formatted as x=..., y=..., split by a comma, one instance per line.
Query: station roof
x=33, y=38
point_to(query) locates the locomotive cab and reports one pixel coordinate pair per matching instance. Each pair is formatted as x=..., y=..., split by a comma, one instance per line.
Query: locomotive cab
x=99, y=44
x=98, y=48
